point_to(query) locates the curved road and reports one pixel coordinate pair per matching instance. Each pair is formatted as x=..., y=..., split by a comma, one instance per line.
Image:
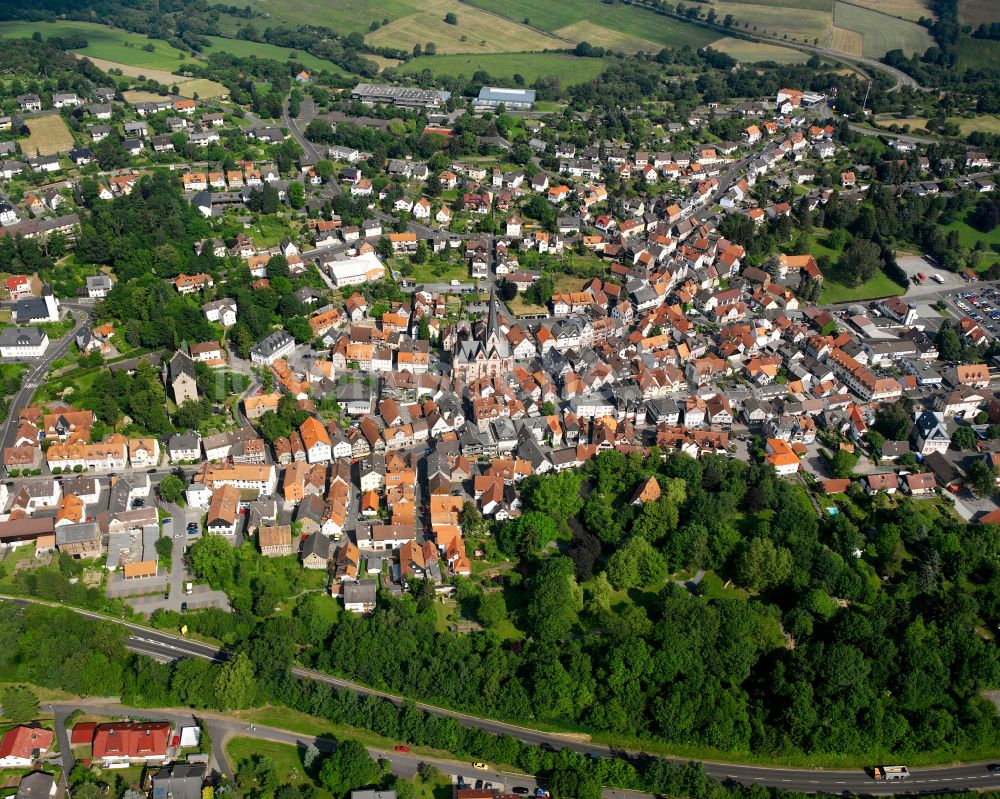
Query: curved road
x=35, y=375
x=900, y=77
x=962, y=776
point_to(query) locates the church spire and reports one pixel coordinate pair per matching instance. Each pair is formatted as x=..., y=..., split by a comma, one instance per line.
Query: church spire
x=492, y=328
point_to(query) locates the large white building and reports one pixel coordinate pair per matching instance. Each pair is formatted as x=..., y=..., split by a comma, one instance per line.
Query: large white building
x=23, y=342
x=354, y=271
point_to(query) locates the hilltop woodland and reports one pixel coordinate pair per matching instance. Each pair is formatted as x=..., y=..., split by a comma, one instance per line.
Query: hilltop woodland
x=859, y=634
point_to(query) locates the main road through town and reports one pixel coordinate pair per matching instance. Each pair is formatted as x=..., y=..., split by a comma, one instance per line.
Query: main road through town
x=959, y=776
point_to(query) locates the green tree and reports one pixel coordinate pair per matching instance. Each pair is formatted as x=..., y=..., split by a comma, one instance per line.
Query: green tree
x=762, y=565
x=554, y=599
x=557, y=495
x=236, y=686
x=451, y=18
x=171, y=489
x=296, y=194
x=636, y=564
x=212, y=558
x=492, y=609
x=20, y=704
x=981, y=478
x=963, y=438
x=347, y=768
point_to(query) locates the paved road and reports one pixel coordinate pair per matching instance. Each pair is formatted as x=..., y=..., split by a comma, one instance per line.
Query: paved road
x=965, y=776
x=901, y=78
x=35, y=375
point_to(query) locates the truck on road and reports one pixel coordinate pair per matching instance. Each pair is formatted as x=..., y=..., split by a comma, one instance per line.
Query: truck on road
x=890, y=773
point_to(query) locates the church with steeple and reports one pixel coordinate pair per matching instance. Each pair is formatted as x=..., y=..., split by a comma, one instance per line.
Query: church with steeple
x=485, y=355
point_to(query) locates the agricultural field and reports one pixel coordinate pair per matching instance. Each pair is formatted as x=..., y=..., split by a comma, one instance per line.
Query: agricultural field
x=109, y=44
x=343, y=16
x=975, y=12
x=880, y=32
x=976, y=53
x=244, y=49
x=753, y=52
x=201, y=88
x=586, y=31
x=569, y=69
x=847, y=41
x=475, y=31
x=159, y=75
x=631, y=24
x=797, y=23
x=808, y=5
x=49, y=135
x=907, y=9
x=985, y=123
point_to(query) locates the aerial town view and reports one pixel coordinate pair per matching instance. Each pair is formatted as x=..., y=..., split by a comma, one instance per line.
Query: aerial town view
x=493, y=399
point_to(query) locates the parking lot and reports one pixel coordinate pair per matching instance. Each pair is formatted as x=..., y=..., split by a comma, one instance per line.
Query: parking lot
x=980, y=304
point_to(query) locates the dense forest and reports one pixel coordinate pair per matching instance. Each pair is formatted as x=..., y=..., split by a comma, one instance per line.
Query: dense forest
x=852, y=634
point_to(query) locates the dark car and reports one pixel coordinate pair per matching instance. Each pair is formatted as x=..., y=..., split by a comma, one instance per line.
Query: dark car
x=520, y=790
x=994, y=768
x=479, y=785
x=184, y=607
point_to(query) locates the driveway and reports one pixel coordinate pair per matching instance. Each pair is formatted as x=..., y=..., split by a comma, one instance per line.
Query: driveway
x=202, y=596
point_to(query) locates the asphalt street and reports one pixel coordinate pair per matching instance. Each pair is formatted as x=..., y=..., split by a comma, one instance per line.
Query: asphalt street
x=35, y=375
x=963, y=776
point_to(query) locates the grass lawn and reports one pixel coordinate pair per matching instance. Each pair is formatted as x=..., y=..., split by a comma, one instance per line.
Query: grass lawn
x=519, y=306
x=569, y=69
x=110, y=44
x=878, y=286
x=440, y=272
x=244, y=49
x=969, y=236
x=286, y=758
x=269, y=231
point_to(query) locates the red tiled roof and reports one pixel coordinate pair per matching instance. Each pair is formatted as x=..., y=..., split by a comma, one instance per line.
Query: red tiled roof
x=132, y=740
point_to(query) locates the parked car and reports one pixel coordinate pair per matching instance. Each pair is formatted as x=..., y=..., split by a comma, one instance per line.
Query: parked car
x=480, y=766
x=402, y=748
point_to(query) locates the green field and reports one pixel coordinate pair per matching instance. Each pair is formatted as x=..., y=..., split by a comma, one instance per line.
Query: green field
x=569, y=69
x=881, y=32
x=110, y=44
x=968, y=236
x=244, y=49
x=878, y=286
x=978, y=54
x=286, y=758
x=809, y=5
x=754, y=52
x=635, y=22
x=344, y=16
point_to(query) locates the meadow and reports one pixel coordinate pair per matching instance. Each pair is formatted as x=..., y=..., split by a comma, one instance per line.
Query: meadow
x=622, y=24
x=49, y=135
x=968, y=236
x=110, y=44
x=881, y=32
x=808, y=5
x=974, y=12
x=804, y=24
x=569, y=69
x=345, y=16
x=847, y=41
x=977, y=53
x=907, y=9
x=244, y=49
x=474, y=31
x=753, y=52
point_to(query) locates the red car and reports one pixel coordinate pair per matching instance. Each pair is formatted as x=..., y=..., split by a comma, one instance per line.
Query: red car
x=402, y=749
